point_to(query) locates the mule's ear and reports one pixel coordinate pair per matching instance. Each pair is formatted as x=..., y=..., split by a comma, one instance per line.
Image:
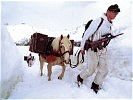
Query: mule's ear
x=61, y=37
x=68, y=36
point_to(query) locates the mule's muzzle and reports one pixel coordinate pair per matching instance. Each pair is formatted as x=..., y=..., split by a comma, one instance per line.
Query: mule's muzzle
x=66, y=61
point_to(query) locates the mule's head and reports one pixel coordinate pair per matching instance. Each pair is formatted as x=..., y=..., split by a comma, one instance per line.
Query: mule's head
x=65, y=47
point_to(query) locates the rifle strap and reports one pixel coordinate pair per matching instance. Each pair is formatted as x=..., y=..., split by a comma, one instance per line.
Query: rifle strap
x=91, y=38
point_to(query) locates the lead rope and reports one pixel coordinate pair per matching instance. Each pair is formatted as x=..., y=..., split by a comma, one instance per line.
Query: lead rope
x=77, y=60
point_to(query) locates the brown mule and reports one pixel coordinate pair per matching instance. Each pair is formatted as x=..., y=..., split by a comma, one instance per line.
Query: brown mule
x=61, y=55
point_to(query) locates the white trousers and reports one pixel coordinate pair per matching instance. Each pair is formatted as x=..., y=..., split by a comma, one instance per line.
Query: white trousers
x=96, y=60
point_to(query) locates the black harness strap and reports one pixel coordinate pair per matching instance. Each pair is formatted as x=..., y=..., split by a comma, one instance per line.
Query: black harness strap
x=77, y=60
x=96, y=29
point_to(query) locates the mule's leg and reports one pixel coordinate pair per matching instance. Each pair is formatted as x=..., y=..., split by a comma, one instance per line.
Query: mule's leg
x=41, y=67
x=49, y=67
x=41, y=64
x=62, y=73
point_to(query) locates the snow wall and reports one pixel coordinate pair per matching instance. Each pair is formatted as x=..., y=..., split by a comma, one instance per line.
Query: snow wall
x=11, y=64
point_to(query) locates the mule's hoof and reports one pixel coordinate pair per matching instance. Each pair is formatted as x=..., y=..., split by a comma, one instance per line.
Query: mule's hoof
x=49, y=79
x=59, y=78
x=41, y=74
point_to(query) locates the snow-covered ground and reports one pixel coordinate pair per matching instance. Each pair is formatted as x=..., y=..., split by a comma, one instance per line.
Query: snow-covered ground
x=34, y=86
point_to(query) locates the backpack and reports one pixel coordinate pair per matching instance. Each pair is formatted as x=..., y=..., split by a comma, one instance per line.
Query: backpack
x=88, y=24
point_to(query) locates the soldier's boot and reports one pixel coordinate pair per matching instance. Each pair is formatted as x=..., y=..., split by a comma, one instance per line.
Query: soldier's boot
x=95, y=87
x=79, y=80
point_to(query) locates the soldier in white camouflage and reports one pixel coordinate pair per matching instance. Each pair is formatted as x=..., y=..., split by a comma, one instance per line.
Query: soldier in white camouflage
x=97, y=58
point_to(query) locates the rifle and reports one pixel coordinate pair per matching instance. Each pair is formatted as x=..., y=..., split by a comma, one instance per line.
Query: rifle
x=102, y=43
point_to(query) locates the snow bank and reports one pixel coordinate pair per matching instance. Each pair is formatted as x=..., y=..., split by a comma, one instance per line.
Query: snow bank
x=11, y=64
x=36, y=87
x=120, y=56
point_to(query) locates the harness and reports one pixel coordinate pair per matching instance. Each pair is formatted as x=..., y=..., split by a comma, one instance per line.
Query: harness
x=87, y=46
x=61, y=54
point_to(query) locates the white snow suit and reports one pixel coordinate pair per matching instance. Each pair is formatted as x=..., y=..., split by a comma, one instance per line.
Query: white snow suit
x=96, y=60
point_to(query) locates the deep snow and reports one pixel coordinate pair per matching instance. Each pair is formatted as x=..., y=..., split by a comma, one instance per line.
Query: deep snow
x=36, y=87
x=11, y=64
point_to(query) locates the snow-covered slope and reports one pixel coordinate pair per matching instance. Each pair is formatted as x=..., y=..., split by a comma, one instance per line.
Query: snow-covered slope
x=120, y=55
x=11, y=64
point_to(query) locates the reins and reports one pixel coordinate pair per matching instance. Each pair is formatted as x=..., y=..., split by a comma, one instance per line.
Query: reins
x=71, y=65
x=77, y=59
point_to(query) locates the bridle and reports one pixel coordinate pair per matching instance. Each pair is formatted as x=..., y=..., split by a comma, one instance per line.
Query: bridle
x=62, y=56
x=62, y=53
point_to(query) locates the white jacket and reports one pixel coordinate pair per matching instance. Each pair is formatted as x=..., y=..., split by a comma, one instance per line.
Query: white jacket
x=105, y=28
